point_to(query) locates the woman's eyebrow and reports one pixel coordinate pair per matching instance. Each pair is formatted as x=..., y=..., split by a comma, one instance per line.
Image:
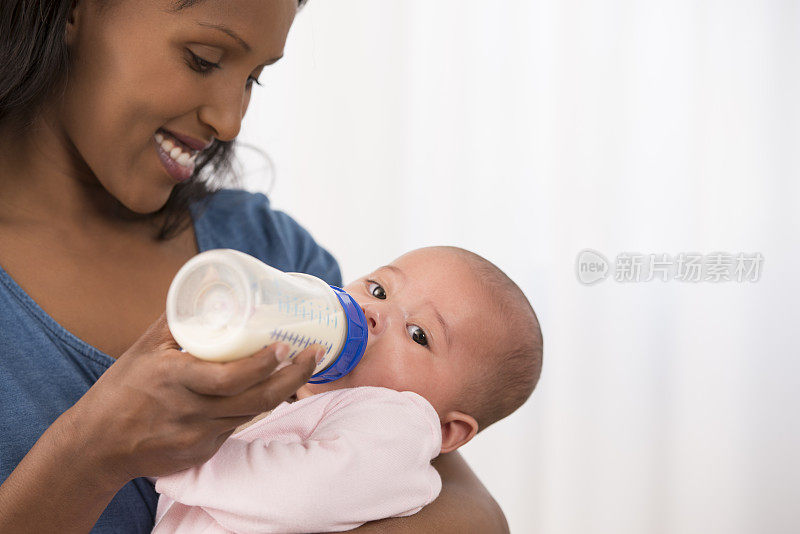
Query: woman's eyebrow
x=229, y=32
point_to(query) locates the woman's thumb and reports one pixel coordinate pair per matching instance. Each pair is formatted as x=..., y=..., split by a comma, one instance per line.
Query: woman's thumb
x=158, y=335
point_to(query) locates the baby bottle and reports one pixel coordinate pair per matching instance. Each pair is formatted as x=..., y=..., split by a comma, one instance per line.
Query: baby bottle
x=224, y=305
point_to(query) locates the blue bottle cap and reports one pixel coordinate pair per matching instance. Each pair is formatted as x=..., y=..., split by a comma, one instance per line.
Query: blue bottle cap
x=354, y=344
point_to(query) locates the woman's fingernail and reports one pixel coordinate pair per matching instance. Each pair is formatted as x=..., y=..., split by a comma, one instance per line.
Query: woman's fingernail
x=320, y=354
x=281, y=352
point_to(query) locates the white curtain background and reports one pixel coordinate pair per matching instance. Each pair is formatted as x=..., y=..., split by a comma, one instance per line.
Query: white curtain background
x=528, y=131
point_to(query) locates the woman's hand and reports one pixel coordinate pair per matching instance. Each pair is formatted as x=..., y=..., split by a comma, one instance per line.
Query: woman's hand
x=158, y=410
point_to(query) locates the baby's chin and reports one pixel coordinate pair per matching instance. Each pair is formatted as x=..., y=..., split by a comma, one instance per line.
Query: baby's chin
x=307, y=390
x=347, y=381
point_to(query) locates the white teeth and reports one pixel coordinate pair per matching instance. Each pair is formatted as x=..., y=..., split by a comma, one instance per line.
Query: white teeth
x=175, y=151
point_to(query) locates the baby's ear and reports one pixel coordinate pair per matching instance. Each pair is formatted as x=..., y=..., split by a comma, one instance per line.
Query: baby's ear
x=457, y=429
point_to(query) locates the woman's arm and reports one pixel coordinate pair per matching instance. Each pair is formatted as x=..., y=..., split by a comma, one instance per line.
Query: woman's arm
x=463, y=506
x=58, y=486
x=155, y=411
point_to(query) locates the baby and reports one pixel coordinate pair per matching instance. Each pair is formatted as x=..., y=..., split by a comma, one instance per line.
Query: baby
x=453, y=347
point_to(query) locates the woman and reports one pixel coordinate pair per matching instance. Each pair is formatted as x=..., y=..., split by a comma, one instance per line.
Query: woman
x=114, y=114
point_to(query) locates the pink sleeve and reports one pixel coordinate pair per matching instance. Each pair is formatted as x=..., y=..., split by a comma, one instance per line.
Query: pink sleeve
x=368, y=458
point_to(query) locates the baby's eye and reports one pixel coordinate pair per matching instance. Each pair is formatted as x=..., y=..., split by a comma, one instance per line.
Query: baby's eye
x=376, y=290
x=417, y=334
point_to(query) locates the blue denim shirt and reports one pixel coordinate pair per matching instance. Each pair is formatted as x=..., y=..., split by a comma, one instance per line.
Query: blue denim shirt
x=44, y=369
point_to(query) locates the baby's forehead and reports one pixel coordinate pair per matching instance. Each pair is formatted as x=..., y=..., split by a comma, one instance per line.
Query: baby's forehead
x=441, y=272
x=453, y=283
x=435, y=260
x=489, y=309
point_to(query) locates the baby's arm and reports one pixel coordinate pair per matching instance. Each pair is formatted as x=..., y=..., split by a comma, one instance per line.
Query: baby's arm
x=367, y=459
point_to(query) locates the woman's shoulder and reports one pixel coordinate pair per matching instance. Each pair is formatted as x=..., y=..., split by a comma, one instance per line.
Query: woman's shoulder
x=246, y=221
x=229, y=206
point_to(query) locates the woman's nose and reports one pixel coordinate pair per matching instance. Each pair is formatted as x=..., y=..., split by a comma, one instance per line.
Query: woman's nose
x=225, y=112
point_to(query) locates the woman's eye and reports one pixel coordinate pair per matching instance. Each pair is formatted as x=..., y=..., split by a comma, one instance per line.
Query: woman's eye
x=203, y=66
x=376, y=290
x=417, y=335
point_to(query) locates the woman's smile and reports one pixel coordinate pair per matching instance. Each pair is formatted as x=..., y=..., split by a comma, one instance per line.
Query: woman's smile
x=177, y=158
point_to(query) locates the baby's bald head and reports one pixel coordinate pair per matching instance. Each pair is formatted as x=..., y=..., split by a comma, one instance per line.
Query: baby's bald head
x=508, y=365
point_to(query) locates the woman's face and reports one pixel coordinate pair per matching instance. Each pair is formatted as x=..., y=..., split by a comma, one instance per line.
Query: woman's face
x=136, y=70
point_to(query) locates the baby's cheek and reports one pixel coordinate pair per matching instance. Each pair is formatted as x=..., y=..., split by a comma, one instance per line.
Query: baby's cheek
x=402, y=375
x=378, y=373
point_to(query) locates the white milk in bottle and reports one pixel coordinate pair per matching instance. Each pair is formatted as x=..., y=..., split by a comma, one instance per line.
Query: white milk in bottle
x=224, y=305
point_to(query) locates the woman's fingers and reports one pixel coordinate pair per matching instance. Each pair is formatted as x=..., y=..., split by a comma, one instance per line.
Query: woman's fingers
x=269, y=393
x=230, y=378
x=157, y=337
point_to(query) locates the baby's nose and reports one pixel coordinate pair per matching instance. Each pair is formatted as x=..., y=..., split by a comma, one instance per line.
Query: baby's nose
x=375, y=321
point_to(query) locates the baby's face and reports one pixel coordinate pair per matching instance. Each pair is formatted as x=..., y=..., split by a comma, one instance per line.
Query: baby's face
x=425, y=324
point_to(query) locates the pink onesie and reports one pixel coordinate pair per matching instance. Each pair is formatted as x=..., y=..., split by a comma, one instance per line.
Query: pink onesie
x=327, y=463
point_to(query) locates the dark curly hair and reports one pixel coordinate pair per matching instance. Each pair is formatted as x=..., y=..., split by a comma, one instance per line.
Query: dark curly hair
x=34, y=61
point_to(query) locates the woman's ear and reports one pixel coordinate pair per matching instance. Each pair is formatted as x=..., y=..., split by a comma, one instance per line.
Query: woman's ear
x=457, y=429
x=72, y=20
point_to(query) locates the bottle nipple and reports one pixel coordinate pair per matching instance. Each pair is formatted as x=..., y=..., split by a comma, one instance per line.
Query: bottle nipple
x=215, y=305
